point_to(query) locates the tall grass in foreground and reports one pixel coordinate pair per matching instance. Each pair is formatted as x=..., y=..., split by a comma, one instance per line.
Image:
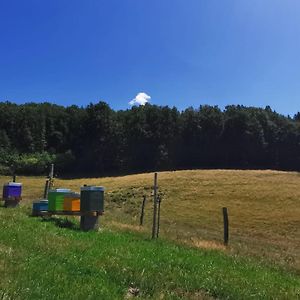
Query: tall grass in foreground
x=40, y=260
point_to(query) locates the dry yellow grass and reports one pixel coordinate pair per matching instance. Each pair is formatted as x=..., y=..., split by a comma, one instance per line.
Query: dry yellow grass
x=263, y=206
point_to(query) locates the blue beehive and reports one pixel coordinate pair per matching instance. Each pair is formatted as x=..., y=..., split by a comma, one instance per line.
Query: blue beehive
x=41, y=205
x=12, y=189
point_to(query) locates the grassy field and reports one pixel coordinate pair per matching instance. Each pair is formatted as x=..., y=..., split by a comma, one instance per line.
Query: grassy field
x=262, y=260
x=264, y=208
x=43, y=260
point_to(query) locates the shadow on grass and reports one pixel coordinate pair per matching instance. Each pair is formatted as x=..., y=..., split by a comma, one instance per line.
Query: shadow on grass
x=62, y=223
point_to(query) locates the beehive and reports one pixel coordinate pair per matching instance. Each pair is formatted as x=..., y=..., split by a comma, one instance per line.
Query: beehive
x=41, y=205
x=72, y=202
x=56, y=199
x=92, y=198
x=12, y=189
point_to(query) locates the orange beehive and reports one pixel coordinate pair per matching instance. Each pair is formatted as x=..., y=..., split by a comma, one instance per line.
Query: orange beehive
x=72, y=202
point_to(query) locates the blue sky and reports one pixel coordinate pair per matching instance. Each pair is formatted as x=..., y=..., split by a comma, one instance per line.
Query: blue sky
x=180, y=52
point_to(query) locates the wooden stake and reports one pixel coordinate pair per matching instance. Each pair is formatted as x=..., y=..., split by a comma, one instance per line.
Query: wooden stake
x=226, y=226
x=51, y=171
x=154, y=206
x=51, y=176
x=158, y=217
x=46, y=189
x=142, y=211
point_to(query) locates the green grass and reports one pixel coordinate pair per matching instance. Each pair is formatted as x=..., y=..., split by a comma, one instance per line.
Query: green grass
x=263, y=206
x=40, y=260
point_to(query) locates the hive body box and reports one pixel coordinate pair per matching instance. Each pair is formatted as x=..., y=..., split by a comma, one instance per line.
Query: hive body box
x=92, y=198
x=12, y=189
x=56, y=199
x=12, y=192
x=41, y=205
x=71, y=202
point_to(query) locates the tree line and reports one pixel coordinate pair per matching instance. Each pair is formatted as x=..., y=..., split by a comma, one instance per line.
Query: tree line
x=97, y=140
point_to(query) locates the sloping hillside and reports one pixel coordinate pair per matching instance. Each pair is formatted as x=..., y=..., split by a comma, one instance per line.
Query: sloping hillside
x=264, y=208
x=44, y=260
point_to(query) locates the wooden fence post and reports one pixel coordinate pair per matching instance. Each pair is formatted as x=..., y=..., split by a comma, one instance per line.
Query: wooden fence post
x=226, y=226
x=154, y=206
x=46, y=189
x=51, y=176
x=158, y=216
x=142, y=211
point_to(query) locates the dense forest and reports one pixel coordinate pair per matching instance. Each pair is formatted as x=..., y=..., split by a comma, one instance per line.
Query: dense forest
x=97, y=140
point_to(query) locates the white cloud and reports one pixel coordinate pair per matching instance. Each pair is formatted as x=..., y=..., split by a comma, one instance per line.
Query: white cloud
x=140, y=99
